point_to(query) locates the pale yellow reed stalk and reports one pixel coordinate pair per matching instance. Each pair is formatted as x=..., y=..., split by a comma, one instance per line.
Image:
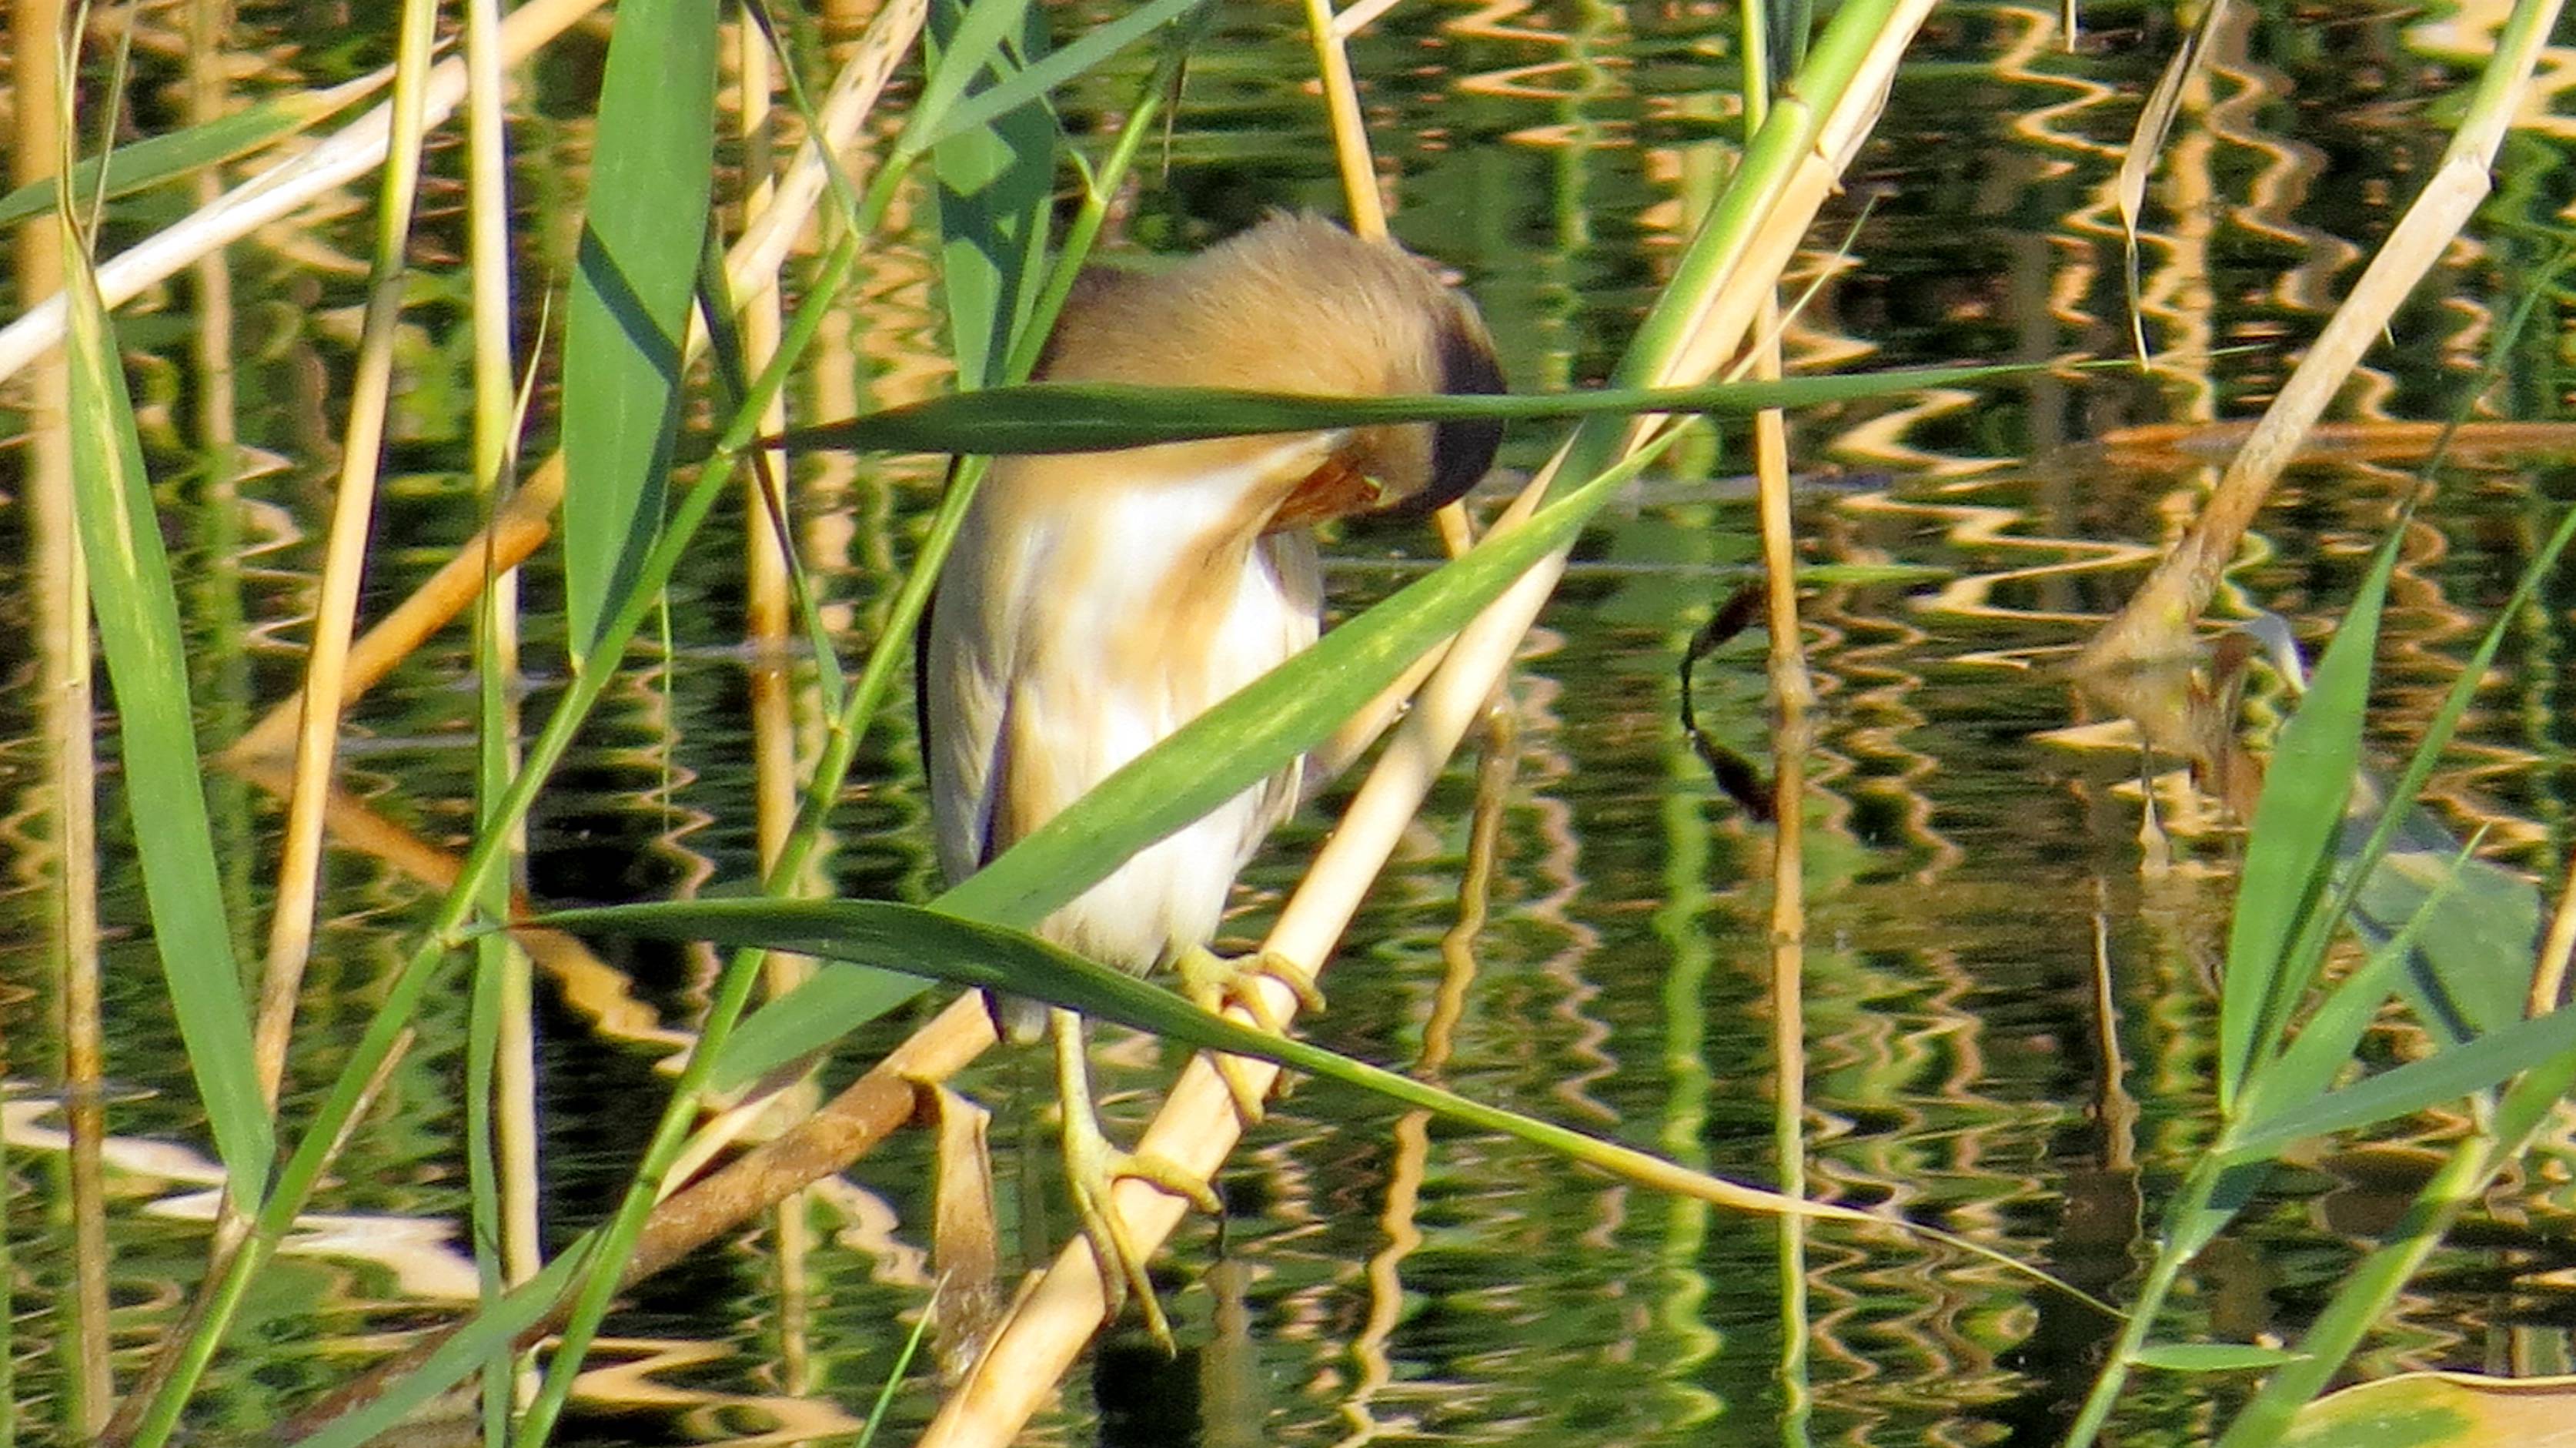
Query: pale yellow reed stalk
x=496, y=456
x=277, y=192
x=66, y=704
x=299, y=871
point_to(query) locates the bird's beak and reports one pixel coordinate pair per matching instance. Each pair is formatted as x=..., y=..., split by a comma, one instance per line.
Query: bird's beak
x=1334, y=490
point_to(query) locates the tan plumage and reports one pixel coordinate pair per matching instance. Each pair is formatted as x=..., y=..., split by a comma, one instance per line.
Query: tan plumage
x=1093, y=604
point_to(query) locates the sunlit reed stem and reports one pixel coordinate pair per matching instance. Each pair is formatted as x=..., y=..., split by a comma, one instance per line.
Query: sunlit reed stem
x=1792, y=732
x=501, y=1126
x=765, y=539
x=209, y=90
x=290, y=938
x=66, y=704
x=769, y=628
x=1366, y=196
x=1361, y=191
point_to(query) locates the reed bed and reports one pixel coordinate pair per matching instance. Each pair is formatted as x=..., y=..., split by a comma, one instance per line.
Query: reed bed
x=734, y=189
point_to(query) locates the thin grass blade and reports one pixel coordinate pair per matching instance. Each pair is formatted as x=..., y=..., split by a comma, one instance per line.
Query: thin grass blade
x=493, y=1331
x=1039, y=77
x=2146, y=143
x=650, y=180
x=974, y=40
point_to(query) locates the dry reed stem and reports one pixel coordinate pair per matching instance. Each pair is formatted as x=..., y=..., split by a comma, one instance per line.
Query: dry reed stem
x=277, y=192
x=2549, y=971
x=1361, y=190
x=1198, y=1125
x=516, y=531
x=66, y=702
x=525, y=521
x=344, y=564
x=1793, y=697
x=2157, y=622
x=1330, y=34
x=514, y=1125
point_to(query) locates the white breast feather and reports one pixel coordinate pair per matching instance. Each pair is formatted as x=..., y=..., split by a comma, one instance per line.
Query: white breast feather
x=1023, y=657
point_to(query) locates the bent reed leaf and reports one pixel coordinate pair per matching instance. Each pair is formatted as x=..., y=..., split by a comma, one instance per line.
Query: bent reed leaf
x=915, y=940
x=1060, y=417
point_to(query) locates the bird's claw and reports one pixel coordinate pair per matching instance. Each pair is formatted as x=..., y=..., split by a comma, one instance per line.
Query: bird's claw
x=1092, y=1167
x=1213, y=981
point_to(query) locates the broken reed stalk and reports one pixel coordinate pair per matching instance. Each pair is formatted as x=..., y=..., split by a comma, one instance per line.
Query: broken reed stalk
x=2156, y=624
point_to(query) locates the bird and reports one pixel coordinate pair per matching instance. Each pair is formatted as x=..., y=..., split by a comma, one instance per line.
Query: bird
x=1092, y=604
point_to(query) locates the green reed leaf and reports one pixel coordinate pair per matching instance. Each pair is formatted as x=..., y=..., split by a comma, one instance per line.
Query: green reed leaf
x=1039, y=77
x=156, y=159
x=881, y=936
x=926, y=942
x=628, y=314
x=2447, y=1075
x=2209, y=1357
x=1065, y=417
x=996, y=185
x=137, y=610
x=2290, y=851
x=829, y=1005
x=2327, y=1037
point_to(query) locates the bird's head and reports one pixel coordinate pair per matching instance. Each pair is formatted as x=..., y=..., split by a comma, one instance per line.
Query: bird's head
x=1297, y=304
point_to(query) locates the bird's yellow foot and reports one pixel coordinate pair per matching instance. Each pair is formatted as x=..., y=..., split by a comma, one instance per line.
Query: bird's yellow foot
x=1213, y=981
x=1092, y=1166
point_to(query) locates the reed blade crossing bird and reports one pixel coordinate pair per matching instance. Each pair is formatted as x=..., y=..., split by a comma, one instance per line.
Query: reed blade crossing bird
x=1095, y=603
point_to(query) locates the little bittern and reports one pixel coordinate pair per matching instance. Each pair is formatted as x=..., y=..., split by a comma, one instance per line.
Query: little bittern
x=1095, y=603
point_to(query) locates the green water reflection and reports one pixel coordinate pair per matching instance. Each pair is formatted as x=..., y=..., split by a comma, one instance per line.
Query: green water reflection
x=1969, y=843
